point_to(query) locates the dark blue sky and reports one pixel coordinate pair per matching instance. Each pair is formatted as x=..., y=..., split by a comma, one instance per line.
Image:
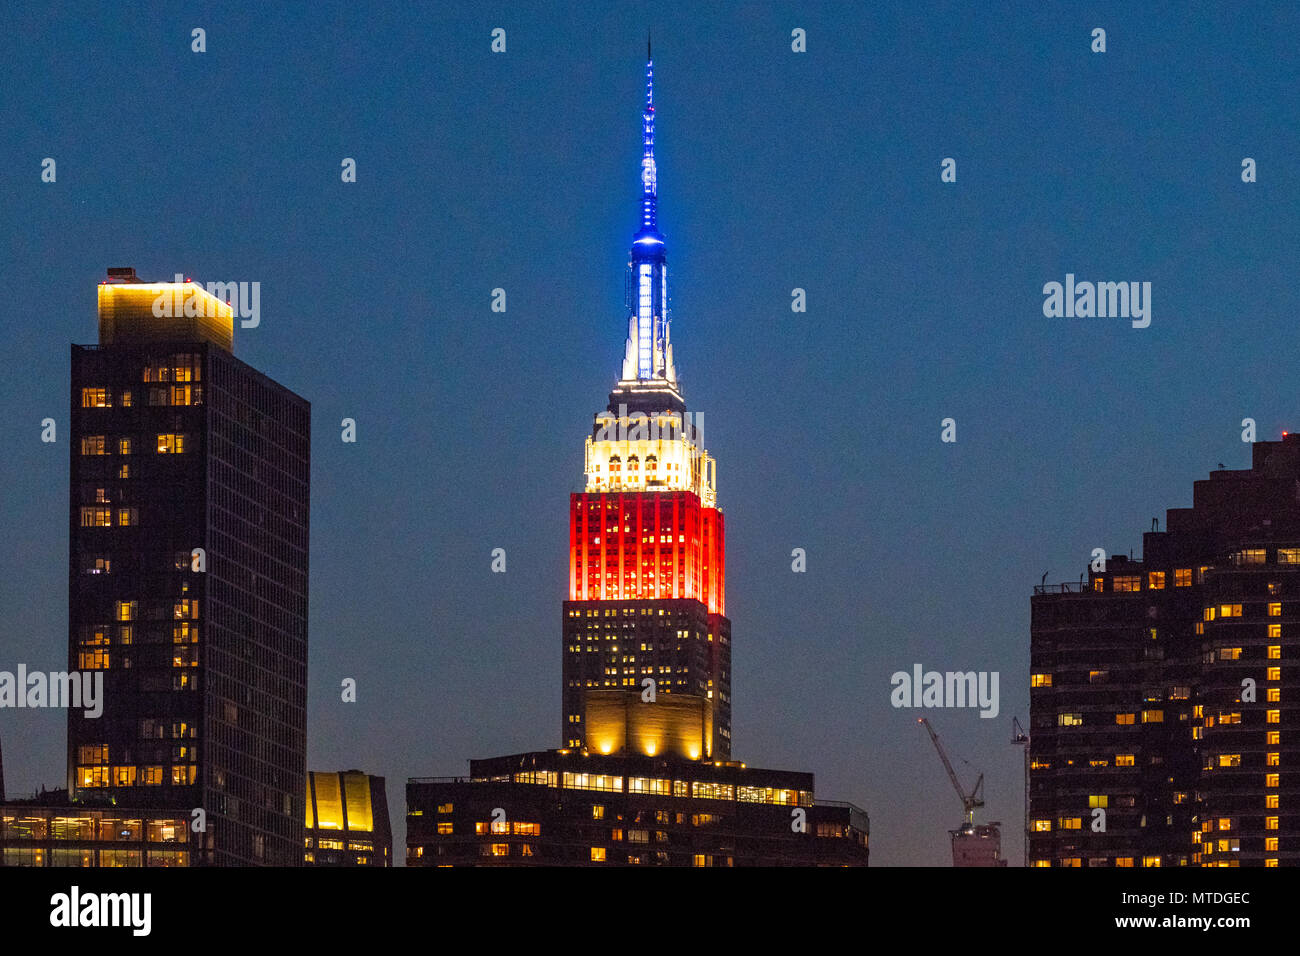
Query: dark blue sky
x=776, y=170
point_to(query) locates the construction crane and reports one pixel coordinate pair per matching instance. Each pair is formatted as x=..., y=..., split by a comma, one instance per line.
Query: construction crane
x=969, y=801
x=1020, y=738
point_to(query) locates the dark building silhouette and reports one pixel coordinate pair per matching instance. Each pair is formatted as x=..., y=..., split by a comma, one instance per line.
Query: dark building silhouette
x=347, y=820
x=188, y=573
x=645, y=776
x=1159, y=689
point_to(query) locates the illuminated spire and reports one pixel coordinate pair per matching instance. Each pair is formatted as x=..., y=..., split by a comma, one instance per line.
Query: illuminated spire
x=648, y=357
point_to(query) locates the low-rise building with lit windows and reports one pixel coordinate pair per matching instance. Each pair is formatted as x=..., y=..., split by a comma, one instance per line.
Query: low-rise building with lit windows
x=49, y=831
x=575, y=808
x=347, y=820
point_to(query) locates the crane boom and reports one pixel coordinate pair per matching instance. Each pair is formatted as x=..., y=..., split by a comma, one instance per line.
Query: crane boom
x=969, y=801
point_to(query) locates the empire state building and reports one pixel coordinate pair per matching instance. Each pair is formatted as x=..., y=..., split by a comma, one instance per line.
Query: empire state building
x=644, y=774
x=647, y=644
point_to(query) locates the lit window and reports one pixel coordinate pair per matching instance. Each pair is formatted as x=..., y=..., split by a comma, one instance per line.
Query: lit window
x=1271, y=779
x=1275, y=630
x=1156, y=580
x=1153, y=716
x=1125, y=719
x=1270, y=801
x=1127, y=584
x=1270, y=844
x=94, y=398
x=1275, y=609
x=1098, y=800
x=1040, y=680
x=1183, y=578
x=95, y=659
x=1273, y=717
x=1124, y=760
x=1229, y=760
x=1069, y=720
x=171, y=444
x=1288, y=555
x=598, y=854
x=96, y=517
x=93, y=445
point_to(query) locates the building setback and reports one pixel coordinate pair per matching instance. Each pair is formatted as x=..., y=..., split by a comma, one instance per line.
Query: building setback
x=1160, y=688
x=188, y=573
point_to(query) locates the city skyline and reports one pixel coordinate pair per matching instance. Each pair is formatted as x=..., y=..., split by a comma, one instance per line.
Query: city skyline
x=829, y=420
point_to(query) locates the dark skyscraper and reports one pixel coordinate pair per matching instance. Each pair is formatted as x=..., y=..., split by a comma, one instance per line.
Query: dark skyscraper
x=1159, y=690
x=646, y=614
x=188, y=573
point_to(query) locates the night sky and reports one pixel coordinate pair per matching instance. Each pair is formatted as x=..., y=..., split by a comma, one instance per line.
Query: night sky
x=777, y=170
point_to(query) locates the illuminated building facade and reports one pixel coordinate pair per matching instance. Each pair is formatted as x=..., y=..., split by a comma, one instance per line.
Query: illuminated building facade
x=646, y=775
x=1159, y=688
x=647, y=591
x=188, y=573
x=564, y=808
x=347, y=820
x=49, y=831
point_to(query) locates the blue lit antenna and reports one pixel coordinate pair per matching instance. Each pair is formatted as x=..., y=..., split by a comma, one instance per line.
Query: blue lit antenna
x=649, y=175
x=649, y=356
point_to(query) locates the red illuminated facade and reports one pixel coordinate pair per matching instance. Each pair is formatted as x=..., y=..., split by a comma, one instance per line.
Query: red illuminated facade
x=646, y=545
